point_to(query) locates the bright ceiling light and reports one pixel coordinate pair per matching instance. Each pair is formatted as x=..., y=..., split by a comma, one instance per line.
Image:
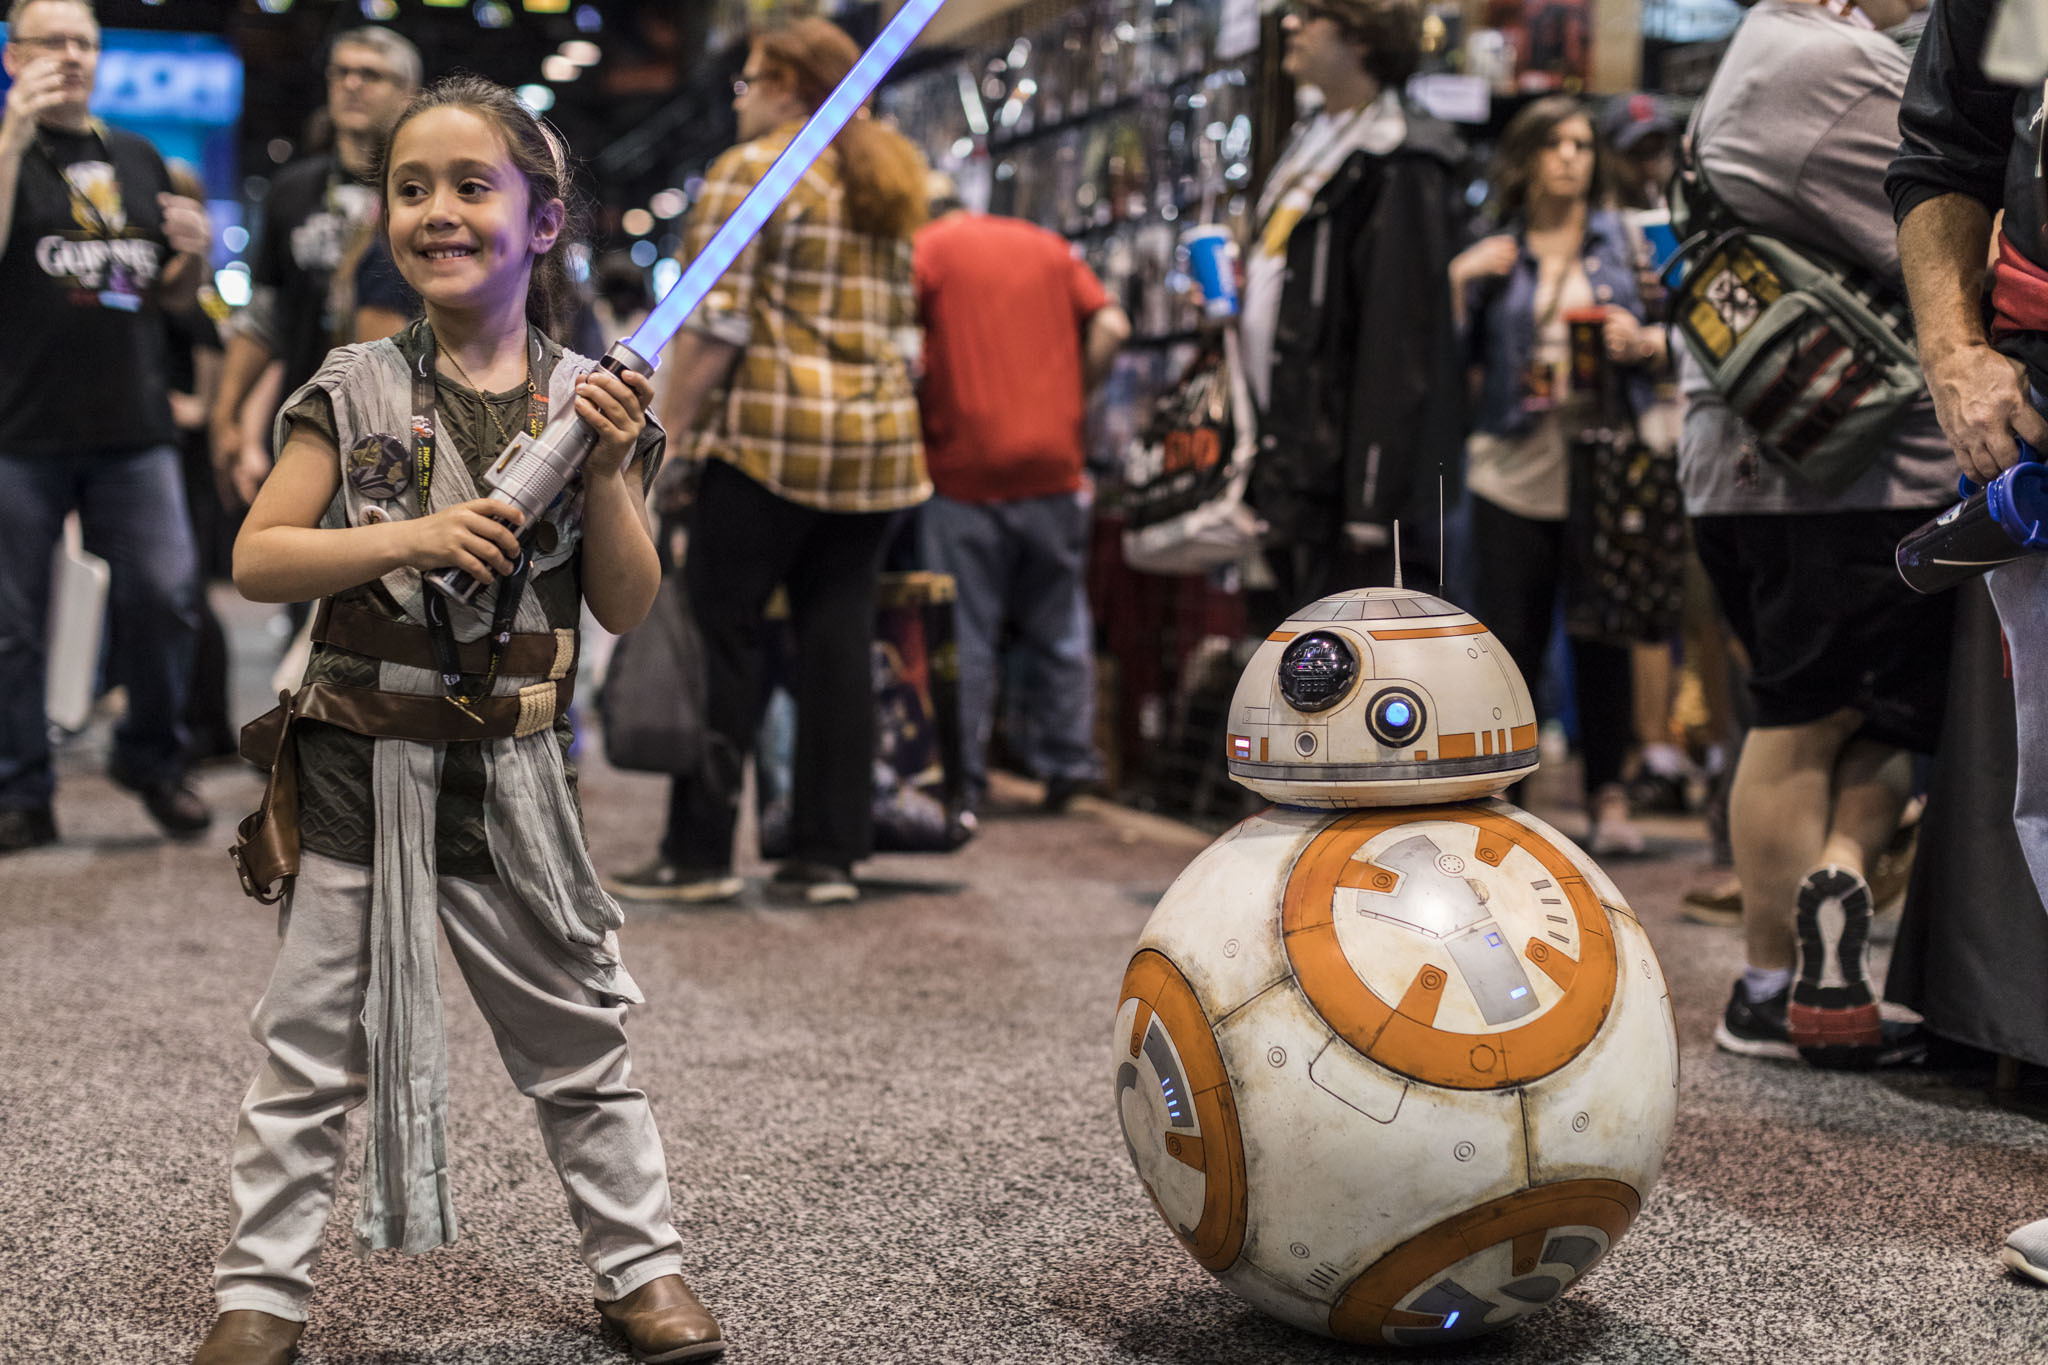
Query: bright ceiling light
x=559, y=69
x=668, y=203
x=537, y=98
x=583, y=52
x=637, y=222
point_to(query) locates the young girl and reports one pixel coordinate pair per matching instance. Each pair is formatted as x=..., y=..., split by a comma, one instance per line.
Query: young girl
x=420, y=798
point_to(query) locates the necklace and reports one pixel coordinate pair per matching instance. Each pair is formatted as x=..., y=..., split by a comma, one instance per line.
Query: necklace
x=498, y=426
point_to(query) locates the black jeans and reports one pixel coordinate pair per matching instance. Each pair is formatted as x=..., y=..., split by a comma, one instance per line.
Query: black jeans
x=744, y=542
x=1518, y=574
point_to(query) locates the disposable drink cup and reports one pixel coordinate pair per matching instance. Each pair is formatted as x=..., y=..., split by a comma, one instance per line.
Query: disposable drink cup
x=1212, y=260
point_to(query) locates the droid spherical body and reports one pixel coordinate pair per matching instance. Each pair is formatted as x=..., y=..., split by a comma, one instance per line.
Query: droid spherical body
x=1397, y=1073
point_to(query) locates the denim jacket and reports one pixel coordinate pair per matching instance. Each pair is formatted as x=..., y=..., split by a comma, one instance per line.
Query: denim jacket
x=1501, y=323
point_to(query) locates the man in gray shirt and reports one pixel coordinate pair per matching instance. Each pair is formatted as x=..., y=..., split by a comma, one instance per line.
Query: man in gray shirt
x=1848, y=666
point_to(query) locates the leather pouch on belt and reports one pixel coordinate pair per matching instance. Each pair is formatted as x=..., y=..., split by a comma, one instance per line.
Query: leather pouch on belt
x=266, y=850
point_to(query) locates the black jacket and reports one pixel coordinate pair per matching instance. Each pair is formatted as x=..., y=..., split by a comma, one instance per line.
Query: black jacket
x=1961, y=133
x=1367, y=402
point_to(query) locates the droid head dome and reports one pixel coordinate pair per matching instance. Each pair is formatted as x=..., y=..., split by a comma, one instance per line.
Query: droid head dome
x=1380, y=697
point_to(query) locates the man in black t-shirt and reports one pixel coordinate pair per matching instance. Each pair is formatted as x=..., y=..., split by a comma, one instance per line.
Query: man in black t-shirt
x=318, y=208
x=92, y=245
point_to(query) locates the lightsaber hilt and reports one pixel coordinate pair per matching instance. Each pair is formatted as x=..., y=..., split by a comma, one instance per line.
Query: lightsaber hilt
x=532, y=472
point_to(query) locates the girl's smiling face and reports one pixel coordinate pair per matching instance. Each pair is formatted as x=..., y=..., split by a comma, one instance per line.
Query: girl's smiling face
x=464, y=231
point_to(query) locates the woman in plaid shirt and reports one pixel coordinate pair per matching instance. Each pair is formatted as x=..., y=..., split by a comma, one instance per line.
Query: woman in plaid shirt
x=810, y=446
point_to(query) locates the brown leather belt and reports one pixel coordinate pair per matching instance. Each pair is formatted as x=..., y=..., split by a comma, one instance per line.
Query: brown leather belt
x=266, y=850
x=400, y=642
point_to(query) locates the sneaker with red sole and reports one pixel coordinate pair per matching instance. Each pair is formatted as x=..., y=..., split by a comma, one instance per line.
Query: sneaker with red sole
x=1833, y=1017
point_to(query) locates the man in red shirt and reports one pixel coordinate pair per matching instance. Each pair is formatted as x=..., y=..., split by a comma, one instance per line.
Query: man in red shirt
x=1017, y=333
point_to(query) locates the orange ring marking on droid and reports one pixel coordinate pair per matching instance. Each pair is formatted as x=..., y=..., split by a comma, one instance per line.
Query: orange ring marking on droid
x=1186, y=1150
x=1281, y=637
x=1522, y=737
x=1380, y=1030
x=1364, y=876
x=1457, y=746
x=1138, y=1027
x=1493, y=847
x=1552, y=963
x=1528, y=1246
x=1365, y=1311
x=1428, y=632
x=1218, y=1236
x=1425, y=994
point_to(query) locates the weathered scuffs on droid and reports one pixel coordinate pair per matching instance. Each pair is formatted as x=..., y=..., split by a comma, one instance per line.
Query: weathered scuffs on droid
x=1394, y=1071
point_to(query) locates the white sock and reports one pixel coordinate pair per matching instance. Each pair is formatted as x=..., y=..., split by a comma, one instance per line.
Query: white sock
x=1664, y=760
x=1761, y=983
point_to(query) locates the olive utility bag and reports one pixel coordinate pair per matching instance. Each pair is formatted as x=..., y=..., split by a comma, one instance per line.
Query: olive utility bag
x=1814, y=354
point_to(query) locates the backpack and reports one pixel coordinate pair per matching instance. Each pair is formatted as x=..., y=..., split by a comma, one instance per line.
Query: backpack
x=1814, y=354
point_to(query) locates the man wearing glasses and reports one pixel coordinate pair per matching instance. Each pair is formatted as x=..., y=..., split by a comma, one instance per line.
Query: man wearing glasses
x=92, y=245
x=319, y=211
x=1348, y=342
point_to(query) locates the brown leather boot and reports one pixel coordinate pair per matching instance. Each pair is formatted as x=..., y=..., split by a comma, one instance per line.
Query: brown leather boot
x=664, y=1322
x=246, y=1337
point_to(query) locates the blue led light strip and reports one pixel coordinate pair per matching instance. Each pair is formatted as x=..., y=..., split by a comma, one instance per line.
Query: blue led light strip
x=761, y=202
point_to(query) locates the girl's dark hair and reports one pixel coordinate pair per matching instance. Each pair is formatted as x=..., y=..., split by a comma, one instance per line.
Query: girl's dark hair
x=541, y=156
x=1523, y=141
x=883, y=174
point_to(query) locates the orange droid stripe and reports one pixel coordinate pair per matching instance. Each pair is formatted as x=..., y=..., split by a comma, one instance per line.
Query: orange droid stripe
x=1218, y=1236
x=1386, y=1034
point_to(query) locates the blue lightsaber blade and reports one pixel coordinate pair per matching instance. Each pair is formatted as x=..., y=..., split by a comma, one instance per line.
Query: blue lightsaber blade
x=532, y=471
x=761, y=202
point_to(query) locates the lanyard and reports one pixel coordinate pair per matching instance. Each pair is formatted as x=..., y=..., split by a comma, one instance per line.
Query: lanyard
x=447, y=658
x=79, y=201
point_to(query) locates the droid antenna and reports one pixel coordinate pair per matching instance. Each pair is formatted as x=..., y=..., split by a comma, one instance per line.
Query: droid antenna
x=1443, y=553
x=1397, y=552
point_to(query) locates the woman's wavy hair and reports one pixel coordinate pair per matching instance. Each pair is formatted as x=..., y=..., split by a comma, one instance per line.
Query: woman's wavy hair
x=541, y=155
x=882, y=173
x=1523, y=141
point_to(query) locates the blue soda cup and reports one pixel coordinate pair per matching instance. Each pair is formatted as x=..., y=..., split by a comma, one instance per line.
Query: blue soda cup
x=1212, y=260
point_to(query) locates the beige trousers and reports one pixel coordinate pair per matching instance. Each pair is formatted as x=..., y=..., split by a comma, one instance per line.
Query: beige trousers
x=564, y=1046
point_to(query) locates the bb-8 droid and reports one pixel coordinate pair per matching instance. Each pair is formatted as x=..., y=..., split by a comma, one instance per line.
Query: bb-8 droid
x=1394, y=1059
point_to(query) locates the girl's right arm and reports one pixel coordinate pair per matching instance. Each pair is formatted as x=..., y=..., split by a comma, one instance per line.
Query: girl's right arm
x=283, y=555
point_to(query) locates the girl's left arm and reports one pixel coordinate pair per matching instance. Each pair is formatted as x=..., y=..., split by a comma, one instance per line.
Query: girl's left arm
x=620, y=569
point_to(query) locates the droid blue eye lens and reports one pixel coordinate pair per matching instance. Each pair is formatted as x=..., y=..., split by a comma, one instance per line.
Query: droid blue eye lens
x=1397, y=714
x=1451, y=1321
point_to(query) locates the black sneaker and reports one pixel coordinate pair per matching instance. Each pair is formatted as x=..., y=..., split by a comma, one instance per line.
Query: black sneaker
x=170, y=801
x=26, y=827
x=1061, y=791
x=1833, y=1018
x=661, y=880
x=813, y=884
x=1899, y=1044
x=1756, y=1028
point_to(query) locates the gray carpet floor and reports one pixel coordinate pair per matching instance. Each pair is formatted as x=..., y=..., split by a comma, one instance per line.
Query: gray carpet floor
x=891, y=1133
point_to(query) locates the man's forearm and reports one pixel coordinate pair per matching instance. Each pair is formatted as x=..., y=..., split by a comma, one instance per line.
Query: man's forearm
x=1107, y=330
x=242, y=367
x=1942, y=248
x=178, y=286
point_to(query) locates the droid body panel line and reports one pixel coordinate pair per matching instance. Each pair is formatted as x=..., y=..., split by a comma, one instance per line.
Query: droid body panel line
x=1396, y=1067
